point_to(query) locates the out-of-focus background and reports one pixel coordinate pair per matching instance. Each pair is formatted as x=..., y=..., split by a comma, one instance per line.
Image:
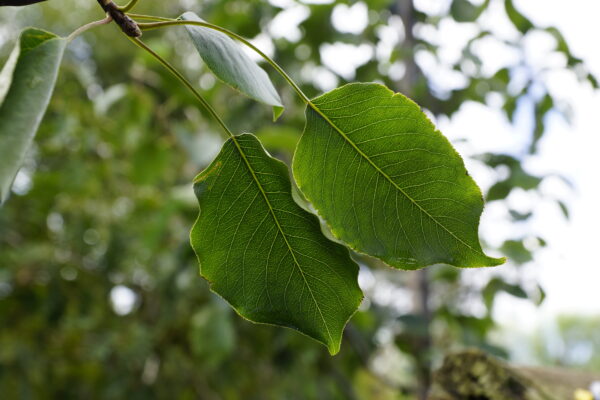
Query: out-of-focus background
x=100, y=295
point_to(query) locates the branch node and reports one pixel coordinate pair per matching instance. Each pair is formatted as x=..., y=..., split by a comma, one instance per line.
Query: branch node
x=127, y=25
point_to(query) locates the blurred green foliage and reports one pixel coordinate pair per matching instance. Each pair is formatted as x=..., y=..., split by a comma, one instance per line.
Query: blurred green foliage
x=105, y=203
x=573, y=342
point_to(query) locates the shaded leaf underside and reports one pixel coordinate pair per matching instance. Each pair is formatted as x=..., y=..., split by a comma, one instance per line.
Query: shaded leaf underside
x=26, y=84
x=387, y=182
x=263, y=253
x=226, y=59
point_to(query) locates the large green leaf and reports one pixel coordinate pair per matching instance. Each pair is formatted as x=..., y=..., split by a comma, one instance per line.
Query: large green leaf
x=26, y=83
x=263, y=253
x=387, y=182
x=228, y=62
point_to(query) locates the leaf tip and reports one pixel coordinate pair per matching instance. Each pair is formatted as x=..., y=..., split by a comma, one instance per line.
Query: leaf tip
x=188, y=15
x=277, y=111
x=498, y=261
x=333, y=349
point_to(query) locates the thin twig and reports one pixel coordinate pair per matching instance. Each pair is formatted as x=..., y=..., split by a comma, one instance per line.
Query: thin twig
x=128, y=6
x=185, y=82
x=85, y=27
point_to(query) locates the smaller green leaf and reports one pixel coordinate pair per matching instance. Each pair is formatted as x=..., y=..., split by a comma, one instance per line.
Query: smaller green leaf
x=592, y=80
x=518, y=177
x=496, y=285
x=516, y=251
x=541, y=110
x=522, y=23
x=266, y=255
x=519, y=216
x=26, y=84
x=540, y=295
x=226, y=59
x=465, y=11
x=564, y=208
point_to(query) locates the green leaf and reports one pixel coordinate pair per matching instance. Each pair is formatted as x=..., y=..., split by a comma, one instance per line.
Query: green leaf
x=387, y=182
x=465, y=11
x=518, y=177
x=263, y=253
x=564, y=208
x=516, y=251
x=26, y=83
x=519, y=216
x=542, y=108
x=592, y=80
x=226, y=59
x=540, y=295
x=522, y=23
x=496, y=285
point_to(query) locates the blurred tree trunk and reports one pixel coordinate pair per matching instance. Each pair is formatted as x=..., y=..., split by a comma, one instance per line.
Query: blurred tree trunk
x=420, y=280
x=406, y=10
x=422, y=349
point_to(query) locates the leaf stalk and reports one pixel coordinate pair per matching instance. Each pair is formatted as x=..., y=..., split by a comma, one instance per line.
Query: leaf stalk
x=185, y=82
x=86, y=27
x=128, y=6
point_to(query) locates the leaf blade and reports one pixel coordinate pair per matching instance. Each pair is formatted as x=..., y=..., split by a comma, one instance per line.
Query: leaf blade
x=225, y=58
x=299, y=279
x=26, y=82
x=373, y=203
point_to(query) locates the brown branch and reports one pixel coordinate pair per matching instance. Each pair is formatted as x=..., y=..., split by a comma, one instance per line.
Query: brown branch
x=127, y=25
x=472, y=374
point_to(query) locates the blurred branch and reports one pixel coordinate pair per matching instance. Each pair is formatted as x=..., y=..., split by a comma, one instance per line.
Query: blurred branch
x=128, y=6
x=474, y=374
x=406, y=11
x=91, y=25
x=420, y=282
x=127, y=25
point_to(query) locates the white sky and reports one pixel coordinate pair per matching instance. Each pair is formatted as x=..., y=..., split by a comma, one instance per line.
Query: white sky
x=568, y=268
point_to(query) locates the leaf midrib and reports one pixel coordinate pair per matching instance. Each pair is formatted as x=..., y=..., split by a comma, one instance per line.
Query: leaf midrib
x=386, y=176
x=280, y=229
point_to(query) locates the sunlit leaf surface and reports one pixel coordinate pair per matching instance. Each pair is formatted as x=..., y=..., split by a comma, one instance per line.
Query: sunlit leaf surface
x=387, y=182
x=228, y=62
x=263, y=253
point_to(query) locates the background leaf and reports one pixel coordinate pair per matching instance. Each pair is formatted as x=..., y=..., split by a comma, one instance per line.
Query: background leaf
x=26, y=84
x=263, y=253
x=387, y=182
x=226, y=59
x=522, y=23
x=465, y=11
